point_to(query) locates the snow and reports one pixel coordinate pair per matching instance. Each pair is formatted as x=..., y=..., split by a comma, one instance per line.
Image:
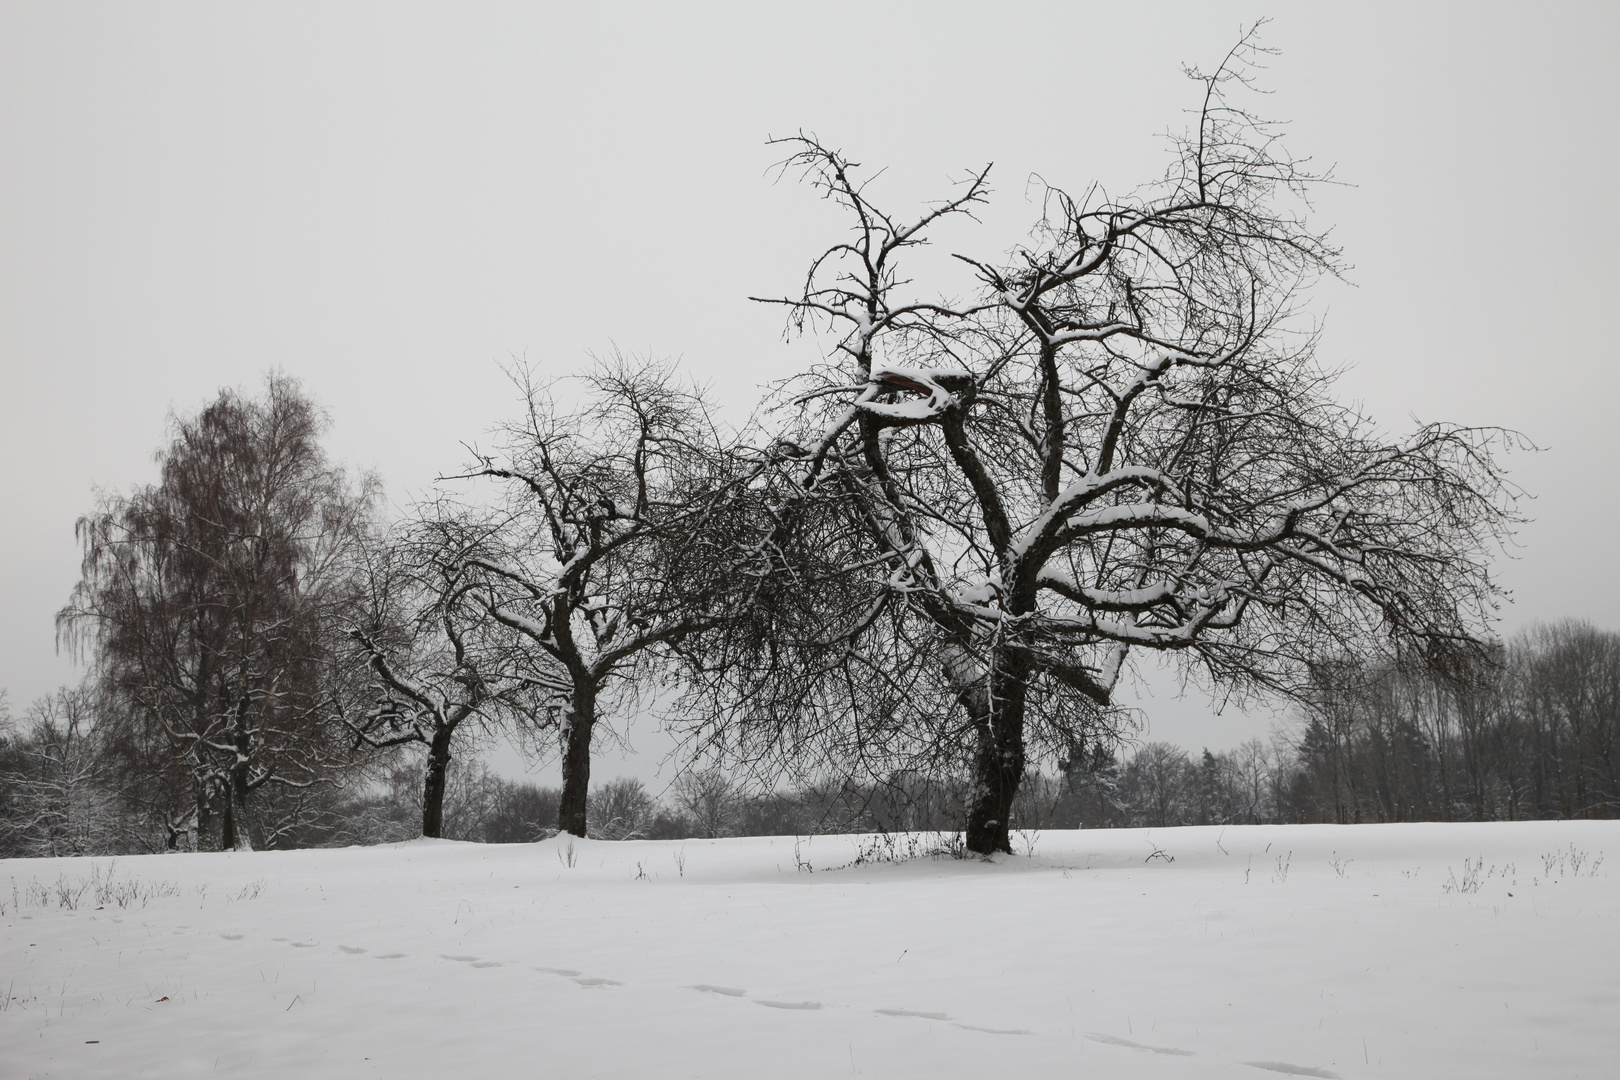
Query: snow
x=1077, y=495
x=1480, y=950
x=923, y=381
x=911, y=409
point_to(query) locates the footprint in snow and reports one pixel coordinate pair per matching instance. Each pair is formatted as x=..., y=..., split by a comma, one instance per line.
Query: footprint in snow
x=593, y=981
x=233, y=937
x=913, y=1012
x=1292, y=1070
x=1115, y=1040
x=486, y=963
x=352, y=950
x=808, y=1005
x=993, y=1031
x=389, y=956
x=458, y=959
x=728, y=991
x=565, y=972
x=305, y=944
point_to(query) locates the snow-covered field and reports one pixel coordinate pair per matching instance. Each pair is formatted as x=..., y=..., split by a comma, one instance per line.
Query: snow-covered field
x=1380, y=950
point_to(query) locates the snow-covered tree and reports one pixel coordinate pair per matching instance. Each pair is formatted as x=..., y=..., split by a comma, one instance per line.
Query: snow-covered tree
x=1120, y=442
x=55, y=792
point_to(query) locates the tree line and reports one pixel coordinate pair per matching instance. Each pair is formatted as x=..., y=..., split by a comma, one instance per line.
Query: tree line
x=1534, y=735
x=933, y=560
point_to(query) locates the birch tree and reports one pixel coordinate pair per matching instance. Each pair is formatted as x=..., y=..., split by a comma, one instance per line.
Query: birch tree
x=208, y=603
x=1120, y=442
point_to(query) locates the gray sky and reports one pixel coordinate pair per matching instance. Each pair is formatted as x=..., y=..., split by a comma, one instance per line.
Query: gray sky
x=390, y=201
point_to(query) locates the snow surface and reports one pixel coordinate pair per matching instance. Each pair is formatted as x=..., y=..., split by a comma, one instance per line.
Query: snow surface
x=1478, y=950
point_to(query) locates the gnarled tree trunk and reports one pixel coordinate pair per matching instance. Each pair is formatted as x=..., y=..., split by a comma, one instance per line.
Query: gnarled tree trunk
x=433, y=782
x=576, y=763
x=998, y=768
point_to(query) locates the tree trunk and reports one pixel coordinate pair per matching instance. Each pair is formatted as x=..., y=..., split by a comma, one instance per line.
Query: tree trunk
x=234, y=834
x=576, y=764
x=205, y=824
x=999, y=766
x=227, y=825
x=438, y=764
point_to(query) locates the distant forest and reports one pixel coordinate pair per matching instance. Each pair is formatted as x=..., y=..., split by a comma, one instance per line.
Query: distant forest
x=1537, y=737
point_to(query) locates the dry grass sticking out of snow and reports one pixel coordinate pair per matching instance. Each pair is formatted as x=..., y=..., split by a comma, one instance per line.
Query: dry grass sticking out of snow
x=1379, y=951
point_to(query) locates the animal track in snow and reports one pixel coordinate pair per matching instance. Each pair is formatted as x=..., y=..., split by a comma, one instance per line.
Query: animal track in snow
x=305, y=944
x=565, y=972
x=728, y=991
x=1292, y=1070
x=233, y=937
x=816, y=1006
x=389, y=956
x=591, y=980
x=1115, y=1040
x=352, y=950
x=458, y=959
x=486, y=963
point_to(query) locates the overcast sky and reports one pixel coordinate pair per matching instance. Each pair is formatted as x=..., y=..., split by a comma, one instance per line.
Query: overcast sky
x=391, y=201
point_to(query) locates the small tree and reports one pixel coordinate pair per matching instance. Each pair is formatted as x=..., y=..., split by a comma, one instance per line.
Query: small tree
x=57, y=797
x=621, y=810
x=709, y=799
x=1121, y=443
x=615, y=547
x=438, y=662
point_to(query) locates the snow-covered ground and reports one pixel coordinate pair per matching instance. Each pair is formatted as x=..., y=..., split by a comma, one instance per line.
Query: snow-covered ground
x=1380, y=950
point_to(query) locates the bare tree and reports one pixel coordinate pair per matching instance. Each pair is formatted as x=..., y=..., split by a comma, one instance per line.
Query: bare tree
x=615, y=547
x=1123, y=442
x=58, y=799
x=1531, y=730
x=709, y=799
x=621, y=810
x=436, y=660
x=1159, y=785
x=1564, y=682
x=1250, y=772
x=210, y=601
